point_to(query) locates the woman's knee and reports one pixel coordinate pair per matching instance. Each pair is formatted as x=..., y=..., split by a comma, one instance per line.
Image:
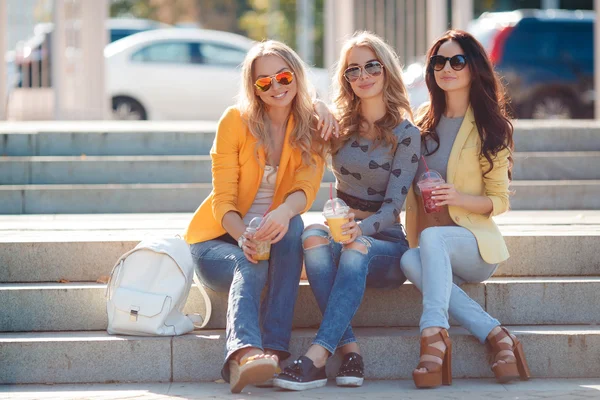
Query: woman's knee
x=411, y=263
x=359, y=245
x=315, y=235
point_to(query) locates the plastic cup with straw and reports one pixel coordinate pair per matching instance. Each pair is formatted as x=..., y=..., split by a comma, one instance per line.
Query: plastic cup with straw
x=263, y=247
x=427, y=182
x=336, y=213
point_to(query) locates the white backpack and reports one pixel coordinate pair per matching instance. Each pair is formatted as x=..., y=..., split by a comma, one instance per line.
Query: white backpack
x=148, y=288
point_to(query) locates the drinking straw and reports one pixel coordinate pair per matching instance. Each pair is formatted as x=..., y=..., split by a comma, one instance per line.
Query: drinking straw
x=425, y=162
x=331, y=196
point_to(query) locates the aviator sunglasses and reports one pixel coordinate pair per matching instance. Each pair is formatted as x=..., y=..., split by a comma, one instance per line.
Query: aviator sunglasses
x=457, y=62
x=283, y=78
x=372, y=68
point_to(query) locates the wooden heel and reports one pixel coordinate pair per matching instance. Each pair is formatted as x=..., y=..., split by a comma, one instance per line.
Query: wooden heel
x=522, y=366
x=447, y=366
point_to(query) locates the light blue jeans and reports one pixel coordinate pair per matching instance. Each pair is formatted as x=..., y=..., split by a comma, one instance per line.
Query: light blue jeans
x=222, y=266
x=448, y=256
x=338, y=278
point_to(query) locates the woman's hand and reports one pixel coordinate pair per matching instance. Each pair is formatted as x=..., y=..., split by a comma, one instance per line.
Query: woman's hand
x=447, y=195
x=249, y=247
x=351, y=228
x=327, y=122
x=275, y=224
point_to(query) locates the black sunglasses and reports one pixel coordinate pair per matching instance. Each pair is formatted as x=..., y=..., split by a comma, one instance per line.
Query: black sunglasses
x=457, y=62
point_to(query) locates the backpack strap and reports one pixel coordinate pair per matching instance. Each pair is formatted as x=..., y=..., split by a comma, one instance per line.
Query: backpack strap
x=197, y=319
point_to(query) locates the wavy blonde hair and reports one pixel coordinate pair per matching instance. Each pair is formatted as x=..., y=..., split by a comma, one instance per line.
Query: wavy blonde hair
x=395, y=95
x=254, y=110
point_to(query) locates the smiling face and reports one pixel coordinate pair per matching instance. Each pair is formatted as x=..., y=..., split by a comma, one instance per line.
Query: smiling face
x=367, y=86
x=278, y=95
x=448, y=79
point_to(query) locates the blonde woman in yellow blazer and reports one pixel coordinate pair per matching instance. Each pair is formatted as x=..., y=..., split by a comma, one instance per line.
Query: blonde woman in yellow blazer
x=264, y=162
x=467, y=137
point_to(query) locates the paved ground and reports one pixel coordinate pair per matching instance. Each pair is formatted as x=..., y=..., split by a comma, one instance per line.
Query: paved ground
x=465, y=389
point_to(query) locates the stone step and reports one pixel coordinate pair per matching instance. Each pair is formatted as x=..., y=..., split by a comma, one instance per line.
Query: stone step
x=80, y=248
x=389, y=353
x=556, y=195
x=110, y=138
x=73, y=138
x=44, y=170
x=558, y=165
x=514, y=301
x=184, y=197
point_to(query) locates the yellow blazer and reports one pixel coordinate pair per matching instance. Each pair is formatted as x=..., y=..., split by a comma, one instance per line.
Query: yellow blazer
x=465, y=171
x=237, y=174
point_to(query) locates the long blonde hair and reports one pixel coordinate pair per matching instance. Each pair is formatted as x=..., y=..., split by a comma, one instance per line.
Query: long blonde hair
x=395, y=95
x=254, y=110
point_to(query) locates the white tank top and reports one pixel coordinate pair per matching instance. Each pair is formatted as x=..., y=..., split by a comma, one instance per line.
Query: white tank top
x=264, y=196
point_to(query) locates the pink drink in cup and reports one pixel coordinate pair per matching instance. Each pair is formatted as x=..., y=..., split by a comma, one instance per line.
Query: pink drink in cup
x=427, y=184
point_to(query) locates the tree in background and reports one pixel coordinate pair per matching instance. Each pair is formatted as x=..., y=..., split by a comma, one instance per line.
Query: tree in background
x=133, y=8
x=259, y=20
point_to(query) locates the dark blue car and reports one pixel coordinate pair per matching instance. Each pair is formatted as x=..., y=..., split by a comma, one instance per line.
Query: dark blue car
x=546, y=58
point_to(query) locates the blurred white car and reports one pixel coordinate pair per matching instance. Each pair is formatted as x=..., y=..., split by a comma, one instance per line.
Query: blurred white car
x=180, y=74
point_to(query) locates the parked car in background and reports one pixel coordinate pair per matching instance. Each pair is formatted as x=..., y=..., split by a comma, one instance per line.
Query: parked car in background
x=180, y=74
x=33, y=57
x=545, y=57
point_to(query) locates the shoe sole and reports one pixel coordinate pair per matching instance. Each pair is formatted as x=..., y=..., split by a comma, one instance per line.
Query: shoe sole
x=299, y=386
x=350, y=381
x=266, y=384
x=254, y=372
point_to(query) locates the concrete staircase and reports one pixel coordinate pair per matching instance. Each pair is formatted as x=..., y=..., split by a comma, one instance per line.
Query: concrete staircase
x=52, y=332
x=112, y=167
x=52, y=318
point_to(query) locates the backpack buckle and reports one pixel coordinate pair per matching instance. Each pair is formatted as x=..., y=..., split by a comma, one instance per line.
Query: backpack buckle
x=133, y=314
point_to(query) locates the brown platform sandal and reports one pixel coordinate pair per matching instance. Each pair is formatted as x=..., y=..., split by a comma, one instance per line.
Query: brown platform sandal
x=513, y=367
x=437, y=374
x=250, y=371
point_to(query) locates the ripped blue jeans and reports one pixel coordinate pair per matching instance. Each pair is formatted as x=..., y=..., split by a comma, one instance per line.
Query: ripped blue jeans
x=338, y=278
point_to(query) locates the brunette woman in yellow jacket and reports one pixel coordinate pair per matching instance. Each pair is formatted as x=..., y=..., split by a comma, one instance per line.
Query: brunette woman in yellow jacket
x=466, y=137
x=265, y=162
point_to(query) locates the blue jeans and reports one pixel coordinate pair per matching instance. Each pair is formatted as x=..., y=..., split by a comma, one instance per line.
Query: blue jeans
x=338, y=278
x=448, y=256
x=222, y=266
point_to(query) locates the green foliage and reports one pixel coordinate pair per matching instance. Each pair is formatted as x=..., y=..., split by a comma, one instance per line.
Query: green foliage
x=132, y=8
x=259, y=20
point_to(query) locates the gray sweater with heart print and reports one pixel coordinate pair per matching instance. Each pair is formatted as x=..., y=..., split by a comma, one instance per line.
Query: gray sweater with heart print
x=375, y=173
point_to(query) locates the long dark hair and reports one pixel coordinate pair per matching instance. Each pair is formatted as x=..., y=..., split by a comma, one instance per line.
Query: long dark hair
x=486, y=96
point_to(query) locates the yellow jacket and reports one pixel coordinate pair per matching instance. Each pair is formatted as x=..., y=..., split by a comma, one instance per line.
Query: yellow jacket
x=465, y=171
x=237, y=174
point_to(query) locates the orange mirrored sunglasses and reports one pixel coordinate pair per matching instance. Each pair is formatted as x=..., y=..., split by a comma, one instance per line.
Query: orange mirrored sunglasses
x=265, y=83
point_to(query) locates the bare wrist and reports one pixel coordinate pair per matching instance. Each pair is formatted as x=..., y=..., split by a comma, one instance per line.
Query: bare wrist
x=287, y=209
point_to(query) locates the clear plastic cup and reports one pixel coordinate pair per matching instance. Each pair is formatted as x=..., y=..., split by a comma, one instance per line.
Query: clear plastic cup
x=263, y=248
x=427, y=184
x=336, y=214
